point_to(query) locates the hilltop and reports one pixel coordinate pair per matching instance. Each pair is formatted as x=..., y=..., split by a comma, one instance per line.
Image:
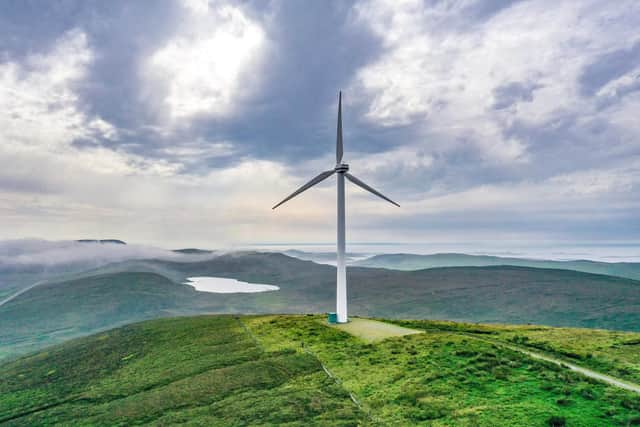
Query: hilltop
x=137, y=290
x=297, y=370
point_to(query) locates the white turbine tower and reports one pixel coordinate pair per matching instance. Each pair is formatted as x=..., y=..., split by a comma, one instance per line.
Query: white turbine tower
x=342, y=170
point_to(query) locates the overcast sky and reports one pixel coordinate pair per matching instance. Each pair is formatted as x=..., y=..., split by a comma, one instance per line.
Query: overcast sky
x=180, y=123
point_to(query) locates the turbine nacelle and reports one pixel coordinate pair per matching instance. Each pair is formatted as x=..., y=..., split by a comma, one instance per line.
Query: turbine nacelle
x=341, y=168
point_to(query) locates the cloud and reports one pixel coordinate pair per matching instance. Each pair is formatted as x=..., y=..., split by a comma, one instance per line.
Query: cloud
x=30, y=253
x=510, y=94
x=607, y=67
x=444, y=68
x=182, y=124
x=52, y=186
x=592, y=204
x=44, y=115
x=38, y=100
x=210, y=66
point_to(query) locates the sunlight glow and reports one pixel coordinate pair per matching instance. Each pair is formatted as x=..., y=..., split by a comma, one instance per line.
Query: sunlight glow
x=205, y=67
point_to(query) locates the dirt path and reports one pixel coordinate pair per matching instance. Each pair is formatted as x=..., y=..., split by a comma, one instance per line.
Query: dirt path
x=373, y=330
x=616, y=382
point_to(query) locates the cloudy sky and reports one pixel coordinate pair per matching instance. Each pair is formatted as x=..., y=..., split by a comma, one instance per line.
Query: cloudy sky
x=180, y=123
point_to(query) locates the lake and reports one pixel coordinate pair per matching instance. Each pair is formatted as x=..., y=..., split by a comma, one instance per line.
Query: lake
x=222, y=285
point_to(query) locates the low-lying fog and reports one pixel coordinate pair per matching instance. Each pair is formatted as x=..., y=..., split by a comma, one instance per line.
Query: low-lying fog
x=27, y=254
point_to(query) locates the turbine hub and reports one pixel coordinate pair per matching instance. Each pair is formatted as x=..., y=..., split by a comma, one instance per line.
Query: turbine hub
x=342, y=168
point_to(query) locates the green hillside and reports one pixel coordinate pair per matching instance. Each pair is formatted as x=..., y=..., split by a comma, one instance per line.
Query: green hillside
x=613, y=352
x=206, y=370
x=134, y=291
x=630, y=270
x=296, y=370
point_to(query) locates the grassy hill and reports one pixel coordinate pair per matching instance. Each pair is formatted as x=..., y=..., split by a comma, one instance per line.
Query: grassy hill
x=613, y=352
x=207, y=370
x=296, y=370
x=133, y=291
x=630, y=270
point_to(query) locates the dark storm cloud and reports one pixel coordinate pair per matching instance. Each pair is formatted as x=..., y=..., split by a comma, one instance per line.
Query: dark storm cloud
x=319, y=49
x=121, y=33
x=294, y=115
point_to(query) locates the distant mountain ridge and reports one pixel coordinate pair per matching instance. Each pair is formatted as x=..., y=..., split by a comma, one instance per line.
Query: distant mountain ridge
x=193, y=251
x=402, y=261
x=115, y=241
x=136, y=290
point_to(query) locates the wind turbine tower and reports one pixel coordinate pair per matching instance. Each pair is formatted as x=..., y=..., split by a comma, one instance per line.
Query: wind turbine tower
x=342, y=171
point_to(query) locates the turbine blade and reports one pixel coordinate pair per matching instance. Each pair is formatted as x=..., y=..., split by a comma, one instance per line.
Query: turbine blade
x=339, y=135
x=321, y=177
x=361, y=184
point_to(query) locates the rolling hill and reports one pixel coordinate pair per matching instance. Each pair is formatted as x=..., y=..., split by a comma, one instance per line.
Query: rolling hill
x=297, y=371
x=630, y=270
x=138, y=290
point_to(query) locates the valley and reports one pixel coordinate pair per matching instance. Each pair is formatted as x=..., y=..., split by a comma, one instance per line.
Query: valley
x=131, y=291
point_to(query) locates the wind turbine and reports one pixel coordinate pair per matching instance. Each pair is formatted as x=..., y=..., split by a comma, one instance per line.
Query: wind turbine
x=342, y=171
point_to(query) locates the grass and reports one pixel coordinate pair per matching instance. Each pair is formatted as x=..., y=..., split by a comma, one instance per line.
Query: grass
x=615, y=352
x=445, y=378
x=202, y=370
x=5, y=293
x=372, y=330
x=268, y=370
x=612, y=352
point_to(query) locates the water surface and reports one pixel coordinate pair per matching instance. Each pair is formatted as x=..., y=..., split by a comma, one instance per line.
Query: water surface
x=223, y=285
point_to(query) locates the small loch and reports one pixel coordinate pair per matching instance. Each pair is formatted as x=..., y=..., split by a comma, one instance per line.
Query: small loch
x=223, y=285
